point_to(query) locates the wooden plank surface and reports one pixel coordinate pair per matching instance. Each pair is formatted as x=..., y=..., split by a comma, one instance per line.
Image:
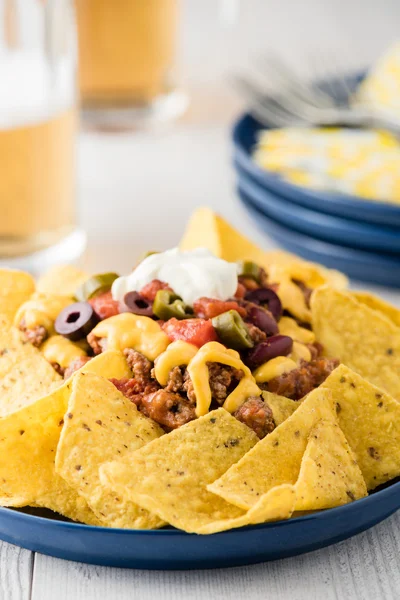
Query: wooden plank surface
x=16, y=567
x=367, y=567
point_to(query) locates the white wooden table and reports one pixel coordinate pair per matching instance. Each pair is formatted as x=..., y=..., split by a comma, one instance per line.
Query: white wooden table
x=136, y=193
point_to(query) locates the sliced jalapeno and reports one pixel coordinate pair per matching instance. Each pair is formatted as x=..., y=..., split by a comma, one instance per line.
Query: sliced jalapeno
x=168, y=305
x=247, y=268
x=95, y=285
x=232, y=330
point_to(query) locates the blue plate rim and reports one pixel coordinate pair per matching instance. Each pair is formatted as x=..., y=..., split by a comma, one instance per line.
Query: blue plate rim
x=251, y=187
x=320, y=515
x=389, y=260
x=266, y=178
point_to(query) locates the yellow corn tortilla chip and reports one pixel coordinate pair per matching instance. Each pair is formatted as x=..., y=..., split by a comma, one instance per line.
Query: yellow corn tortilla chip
x=312, y=274
x=15, y=288
x=329, y=473
x=29, y=438
x=370, y=420
x=282, y=407
x=275, y=505
x=169, y=476
x=209, y=230
x=62, y=280
x=25, y=375
x=392, y=312
x=206, y=229
x=101, y=425
x=362, y=338
x=277, y=458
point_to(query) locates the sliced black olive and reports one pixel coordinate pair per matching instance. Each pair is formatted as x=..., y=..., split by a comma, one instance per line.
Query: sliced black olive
x=136, y=304
x=76, y=321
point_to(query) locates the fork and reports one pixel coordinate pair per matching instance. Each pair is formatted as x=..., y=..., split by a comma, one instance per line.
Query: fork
x=297, y=103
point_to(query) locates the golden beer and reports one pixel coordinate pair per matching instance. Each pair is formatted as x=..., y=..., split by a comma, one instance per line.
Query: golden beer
x=37, y=185
x=126, y=52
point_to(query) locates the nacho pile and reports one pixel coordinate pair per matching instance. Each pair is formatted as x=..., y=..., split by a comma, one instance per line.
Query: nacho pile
x=215, y=386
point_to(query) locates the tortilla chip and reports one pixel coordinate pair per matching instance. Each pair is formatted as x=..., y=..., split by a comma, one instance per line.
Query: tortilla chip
x=206, y=229
x=169, y=476
x=102, y=425
x=15, y=288
x=29, y=438
x=209, y=230
x=392, y=312
x=370, y=420
x=362, y=338
x=282, y=407
x=277, y=458
x=61, y=280
x=25, y=375
x=312, y=274
x=329, y=473
x=275, y=505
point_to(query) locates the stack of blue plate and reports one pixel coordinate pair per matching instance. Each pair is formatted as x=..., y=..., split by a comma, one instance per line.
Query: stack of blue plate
x=359, y=237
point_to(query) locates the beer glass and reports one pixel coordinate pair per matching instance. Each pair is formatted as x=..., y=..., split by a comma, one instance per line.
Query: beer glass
x=127, y=51
x=37, y=133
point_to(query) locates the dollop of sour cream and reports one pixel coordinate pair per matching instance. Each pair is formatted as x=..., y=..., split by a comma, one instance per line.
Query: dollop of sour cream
x=191, y=274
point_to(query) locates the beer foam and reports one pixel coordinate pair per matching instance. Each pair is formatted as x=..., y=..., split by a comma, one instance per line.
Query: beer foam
x=32, y=89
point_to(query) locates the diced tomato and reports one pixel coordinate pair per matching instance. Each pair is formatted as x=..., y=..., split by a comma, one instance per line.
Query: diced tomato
x=105, y=306
x=240, y=291
x=149, y=291
x=208, y=308
x=195, y=331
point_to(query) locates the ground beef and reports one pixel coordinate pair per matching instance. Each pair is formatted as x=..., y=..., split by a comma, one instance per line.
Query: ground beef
x=257, y=415
x=222, y=379
x=256, y=334
x=305, y=289
x=248, y=283
x=36, y=336
x=316, y=350
x=168, y=409
x=97, y=344
x=135, y=390
x=140, y=365
x=175, y=381
x=58, y=368
x=301, y=381
x=188, y=388
x=75, y=366
x=179, y=382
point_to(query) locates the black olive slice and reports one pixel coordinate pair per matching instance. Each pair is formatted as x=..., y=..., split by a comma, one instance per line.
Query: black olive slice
x=76, y=321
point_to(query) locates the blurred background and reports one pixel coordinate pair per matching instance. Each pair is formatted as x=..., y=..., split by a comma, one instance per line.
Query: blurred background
x=137, y=186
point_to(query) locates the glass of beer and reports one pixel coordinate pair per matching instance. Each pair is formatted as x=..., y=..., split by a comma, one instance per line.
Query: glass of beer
x=127, y=51
x=37, y=133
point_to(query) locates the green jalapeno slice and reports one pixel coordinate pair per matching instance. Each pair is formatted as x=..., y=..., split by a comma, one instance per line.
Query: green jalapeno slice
x=232, y=330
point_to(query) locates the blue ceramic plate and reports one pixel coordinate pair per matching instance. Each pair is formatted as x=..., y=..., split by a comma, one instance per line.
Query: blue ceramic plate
x=173, y=549
x=319, y=225
x=383, y=269
x=244, y=135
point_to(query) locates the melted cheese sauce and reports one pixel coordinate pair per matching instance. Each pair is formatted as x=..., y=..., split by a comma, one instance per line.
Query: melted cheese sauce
x=57, y=349
x=199, y=374
x=177, y=354
x=41, y=309
x=133, y=331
